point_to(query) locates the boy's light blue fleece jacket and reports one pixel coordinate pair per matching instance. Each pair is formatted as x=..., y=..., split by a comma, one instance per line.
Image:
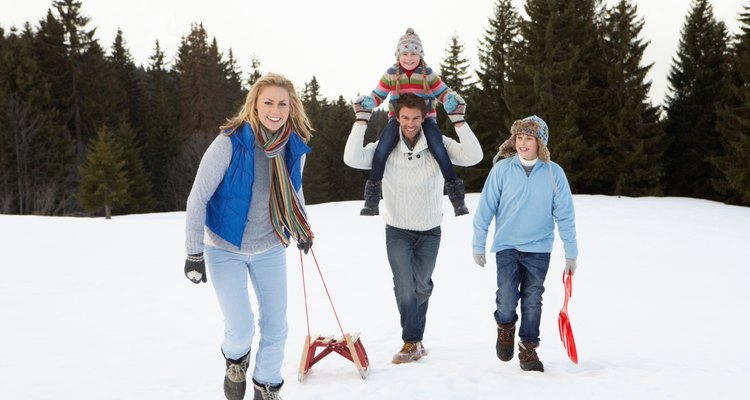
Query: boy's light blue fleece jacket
x=525, y=209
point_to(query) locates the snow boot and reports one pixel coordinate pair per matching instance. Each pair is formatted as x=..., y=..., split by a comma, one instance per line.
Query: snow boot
x=235, y=381
x=506, y=334
x=373, y=193
x=266, y=392
x=456, y=193
x=528, y=357
x=411, y=351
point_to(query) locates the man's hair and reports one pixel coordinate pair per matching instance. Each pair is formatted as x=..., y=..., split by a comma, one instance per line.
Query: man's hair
x=410, y=100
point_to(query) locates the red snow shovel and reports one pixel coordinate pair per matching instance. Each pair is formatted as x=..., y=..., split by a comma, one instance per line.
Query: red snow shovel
x=563, y=321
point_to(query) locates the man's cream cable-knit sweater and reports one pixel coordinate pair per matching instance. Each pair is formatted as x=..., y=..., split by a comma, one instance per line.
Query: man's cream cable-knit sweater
x=412, y=182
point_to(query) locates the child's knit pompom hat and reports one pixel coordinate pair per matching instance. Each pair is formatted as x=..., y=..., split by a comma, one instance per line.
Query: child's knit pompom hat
x=409, y=43
x=532, y=126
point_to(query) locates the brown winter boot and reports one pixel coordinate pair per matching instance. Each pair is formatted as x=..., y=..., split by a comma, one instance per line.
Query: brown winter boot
x=528, y=357
x=266, y=392
x=506, y=334
x=235, y=381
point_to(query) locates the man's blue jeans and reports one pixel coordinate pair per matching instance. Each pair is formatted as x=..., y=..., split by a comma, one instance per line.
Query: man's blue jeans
x=412, y=256
x=521, y=276
x=229, y=272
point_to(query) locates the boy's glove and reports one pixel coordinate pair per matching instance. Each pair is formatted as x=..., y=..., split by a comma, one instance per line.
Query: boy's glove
x=570, y=266
x=480, y=259
x=305, y=245
x=455, y=106
x=195, y=268
x=363, y=106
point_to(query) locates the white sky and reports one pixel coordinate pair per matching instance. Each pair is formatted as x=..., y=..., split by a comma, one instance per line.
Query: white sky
x=93, y=309
x=346, y=44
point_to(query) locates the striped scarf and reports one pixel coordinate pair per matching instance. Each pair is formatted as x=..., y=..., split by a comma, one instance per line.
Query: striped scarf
x=287, y=216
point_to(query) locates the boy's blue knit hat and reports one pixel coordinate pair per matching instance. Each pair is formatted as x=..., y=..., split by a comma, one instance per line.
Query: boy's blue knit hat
x=531, y=126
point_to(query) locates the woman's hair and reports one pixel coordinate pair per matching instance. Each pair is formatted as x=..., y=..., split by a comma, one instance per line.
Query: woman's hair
x=299, y=121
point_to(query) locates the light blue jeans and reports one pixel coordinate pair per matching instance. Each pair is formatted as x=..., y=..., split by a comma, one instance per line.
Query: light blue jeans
x=228, y=271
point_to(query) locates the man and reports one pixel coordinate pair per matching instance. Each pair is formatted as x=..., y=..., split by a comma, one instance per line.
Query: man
x=413, y=196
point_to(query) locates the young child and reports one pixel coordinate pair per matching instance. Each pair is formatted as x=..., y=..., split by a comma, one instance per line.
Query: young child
x=410, y=74
x=526, y=194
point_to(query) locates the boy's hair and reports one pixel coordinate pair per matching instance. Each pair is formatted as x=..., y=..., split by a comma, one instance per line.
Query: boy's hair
x=410, y=100
x=531, y=126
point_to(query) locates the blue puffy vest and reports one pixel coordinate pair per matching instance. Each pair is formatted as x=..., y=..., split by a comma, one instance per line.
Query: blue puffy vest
x=227, y=210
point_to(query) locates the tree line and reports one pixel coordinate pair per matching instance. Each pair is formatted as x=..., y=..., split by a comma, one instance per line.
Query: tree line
x=85, y=131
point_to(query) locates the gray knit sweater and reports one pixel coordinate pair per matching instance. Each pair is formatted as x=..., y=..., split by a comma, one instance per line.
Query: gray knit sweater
x=259, y=235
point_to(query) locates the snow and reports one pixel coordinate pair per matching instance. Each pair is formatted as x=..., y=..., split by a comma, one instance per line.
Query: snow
x=97, y=309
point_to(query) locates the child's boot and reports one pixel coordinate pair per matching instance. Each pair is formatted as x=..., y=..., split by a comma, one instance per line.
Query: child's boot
x=373, y=193
x=528, y=357
x=506, y=334
x=456, y=194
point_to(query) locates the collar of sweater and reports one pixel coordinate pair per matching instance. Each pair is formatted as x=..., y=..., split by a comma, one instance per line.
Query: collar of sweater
x=406, y=147
x=528, y=163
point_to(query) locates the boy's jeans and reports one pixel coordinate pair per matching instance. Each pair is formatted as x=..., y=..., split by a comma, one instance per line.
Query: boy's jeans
x=228, y=271
x=521, y=276
x=412, y=256
x=389, y=138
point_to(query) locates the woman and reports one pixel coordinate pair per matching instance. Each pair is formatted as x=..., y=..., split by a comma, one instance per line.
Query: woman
x=248, y=195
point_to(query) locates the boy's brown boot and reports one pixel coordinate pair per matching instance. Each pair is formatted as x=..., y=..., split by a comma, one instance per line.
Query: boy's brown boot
x=506, y=334
x=528, y=357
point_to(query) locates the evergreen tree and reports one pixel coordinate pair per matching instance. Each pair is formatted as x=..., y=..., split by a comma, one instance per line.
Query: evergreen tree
x=454, y=73
x=734, y=123
x=104, y=181
x=139, y=198
x=255, y=73
x=75, y=54
x=488, y=111
x=35, y=155
x=161, y=144
x=124, y=83
x=558, y=74
x=201, y=83
x=636, y=141
x=697, y=81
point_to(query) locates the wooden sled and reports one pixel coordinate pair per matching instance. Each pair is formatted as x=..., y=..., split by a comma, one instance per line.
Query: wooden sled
x=348, y=346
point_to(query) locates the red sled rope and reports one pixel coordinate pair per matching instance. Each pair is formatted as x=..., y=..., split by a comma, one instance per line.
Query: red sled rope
x=348, y=345
x=563, y=321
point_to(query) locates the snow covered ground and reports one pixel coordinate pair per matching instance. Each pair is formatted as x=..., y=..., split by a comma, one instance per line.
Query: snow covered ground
x=96, y=309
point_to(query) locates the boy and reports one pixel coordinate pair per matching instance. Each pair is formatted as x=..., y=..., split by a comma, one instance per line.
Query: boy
x=526, y=194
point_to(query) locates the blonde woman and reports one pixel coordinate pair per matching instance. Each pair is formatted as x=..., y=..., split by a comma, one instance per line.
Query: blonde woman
x=245, y=206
